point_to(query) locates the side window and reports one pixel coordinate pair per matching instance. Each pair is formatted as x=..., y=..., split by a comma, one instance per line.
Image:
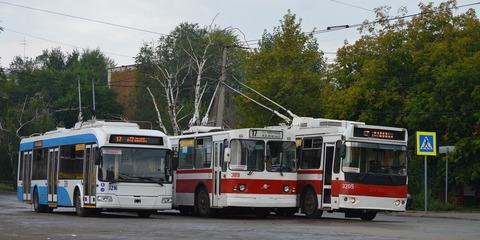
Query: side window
x=20, y=163
x=185, y=154
x=311, y=155
x=338, y=159
x=39, y=166
x=203, y=152
x=71, y=161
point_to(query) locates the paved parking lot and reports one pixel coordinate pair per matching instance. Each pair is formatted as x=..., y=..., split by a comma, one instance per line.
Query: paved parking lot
x=18, y=221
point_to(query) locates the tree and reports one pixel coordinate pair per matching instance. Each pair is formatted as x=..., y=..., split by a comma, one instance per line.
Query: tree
x=422, y=74
x=39, y=94
x=289, y=68
x=181, y=70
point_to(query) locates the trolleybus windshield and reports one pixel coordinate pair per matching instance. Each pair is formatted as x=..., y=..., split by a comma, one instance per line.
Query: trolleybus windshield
x=375, y=158
x=134, y=165
x=247, y=155
x=281, y=156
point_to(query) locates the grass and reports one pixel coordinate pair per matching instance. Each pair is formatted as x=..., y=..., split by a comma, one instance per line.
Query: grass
x=7, y=187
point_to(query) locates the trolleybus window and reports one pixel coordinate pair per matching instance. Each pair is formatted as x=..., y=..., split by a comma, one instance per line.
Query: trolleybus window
x=203, y=152
x=133, y=165
x=39, y=167
x=375, y=158
x=247, y=155
x=185, y=154
x=311, y=153
x=280, y=156
x=71, y=161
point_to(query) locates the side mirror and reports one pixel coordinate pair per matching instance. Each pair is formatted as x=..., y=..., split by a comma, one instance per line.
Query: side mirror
x=227, y=155
x=98, y=157
x=174, y=160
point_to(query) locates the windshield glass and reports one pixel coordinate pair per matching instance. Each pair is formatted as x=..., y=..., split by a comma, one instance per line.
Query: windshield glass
x=247, y=155
x=281, y=156
x=375, y=158
x=134, y=165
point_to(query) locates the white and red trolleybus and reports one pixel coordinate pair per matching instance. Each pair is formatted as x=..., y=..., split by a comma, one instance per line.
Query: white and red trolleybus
x=350, y=167
x=96, y=166
x=246, y=169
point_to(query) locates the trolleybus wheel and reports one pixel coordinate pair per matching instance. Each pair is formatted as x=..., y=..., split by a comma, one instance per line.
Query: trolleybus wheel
x=81, y=212
x=310, y=205
x=368, y=216
x=202, y=204
x=144, y=214
x=37, y=207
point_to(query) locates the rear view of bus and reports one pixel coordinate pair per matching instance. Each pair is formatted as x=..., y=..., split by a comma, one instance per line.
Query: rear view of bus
x=97, y=166
x=242, y=170
x=350, y=167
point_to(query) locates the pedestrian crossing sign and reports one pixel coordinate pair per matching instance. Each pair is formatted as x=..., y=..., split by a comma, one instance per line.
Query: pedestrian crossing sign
x=426, y=143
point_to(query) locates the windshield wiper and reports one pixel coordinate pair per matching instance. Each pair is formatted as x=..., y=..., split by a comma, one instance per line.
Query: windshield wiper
x=250, y=172
x=151, y=179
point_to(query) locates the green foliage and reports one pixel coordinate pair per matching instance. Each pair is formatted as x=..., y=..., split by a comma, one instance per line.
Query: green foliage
x=287, y=67
x=39, y=94
x=422, y=74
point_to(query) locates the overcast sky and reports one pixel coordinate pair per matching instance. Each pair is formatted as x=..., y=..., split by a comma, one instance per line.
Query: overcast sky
x=43, y=30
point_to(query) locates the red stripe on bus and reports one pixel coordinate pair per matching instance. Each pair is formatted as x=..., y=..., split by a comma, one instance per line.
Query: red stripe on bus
x=371, y=190
x=309, y=171
x=316, y=184
x=259, y=186
x=253, y=186
x=189, y=185
x=202, y=170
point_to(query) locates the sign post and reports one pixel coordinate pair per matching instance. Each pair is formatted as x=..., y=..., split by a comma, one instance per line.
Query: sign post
x=426, y=146
x=446, y=150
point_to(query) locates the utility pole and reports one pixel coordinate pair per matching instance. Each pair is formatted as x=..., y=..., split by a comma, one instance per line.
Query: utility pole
x=221, y=92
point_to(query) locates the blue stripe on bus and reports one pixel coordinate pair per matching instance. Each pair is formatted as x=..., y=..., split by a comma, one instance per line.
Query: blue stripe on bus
x=52, y=142
x=20, y=193
x=63, y=199
x=42, y=194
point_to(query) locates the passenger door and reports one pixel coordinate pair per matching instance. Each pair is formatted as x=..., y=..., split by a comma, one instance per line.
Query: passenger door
x=89, y=176
x=27, y=175
x=52, y=176
x=217, y=172
x=327, y=174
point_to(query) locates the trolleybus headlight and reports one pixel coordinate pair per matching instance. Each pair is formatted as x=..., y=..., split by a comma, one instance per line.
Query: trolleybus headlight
x=397, y=203
x=286, y=188
x=353, y=200
x=166, y=200
x=242, y=188
x=104, y=199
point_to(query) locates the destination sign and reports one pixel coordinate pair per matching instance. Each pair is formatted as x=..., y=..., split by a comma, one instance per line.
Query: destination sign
x=379, y=133
x=128, y=139
x=255, y=133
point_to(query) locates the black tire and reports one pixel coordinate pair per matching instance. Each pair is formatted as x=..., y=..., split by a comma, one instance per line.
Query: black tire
x=310, y=204
x=144, y=214
x=368, y=216
x=37, y=207
x=81, y=212
x=286, y=212
x=202, y=204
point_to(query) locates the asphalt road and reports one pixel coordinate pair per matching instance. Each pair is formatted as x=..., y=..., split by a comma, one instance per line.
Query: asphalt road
x=18, y=221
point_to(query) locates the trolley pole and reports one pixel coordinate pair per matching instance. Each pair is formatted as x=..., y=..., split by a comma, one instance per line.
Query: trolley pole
x=426, y=188
x=221, y=92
